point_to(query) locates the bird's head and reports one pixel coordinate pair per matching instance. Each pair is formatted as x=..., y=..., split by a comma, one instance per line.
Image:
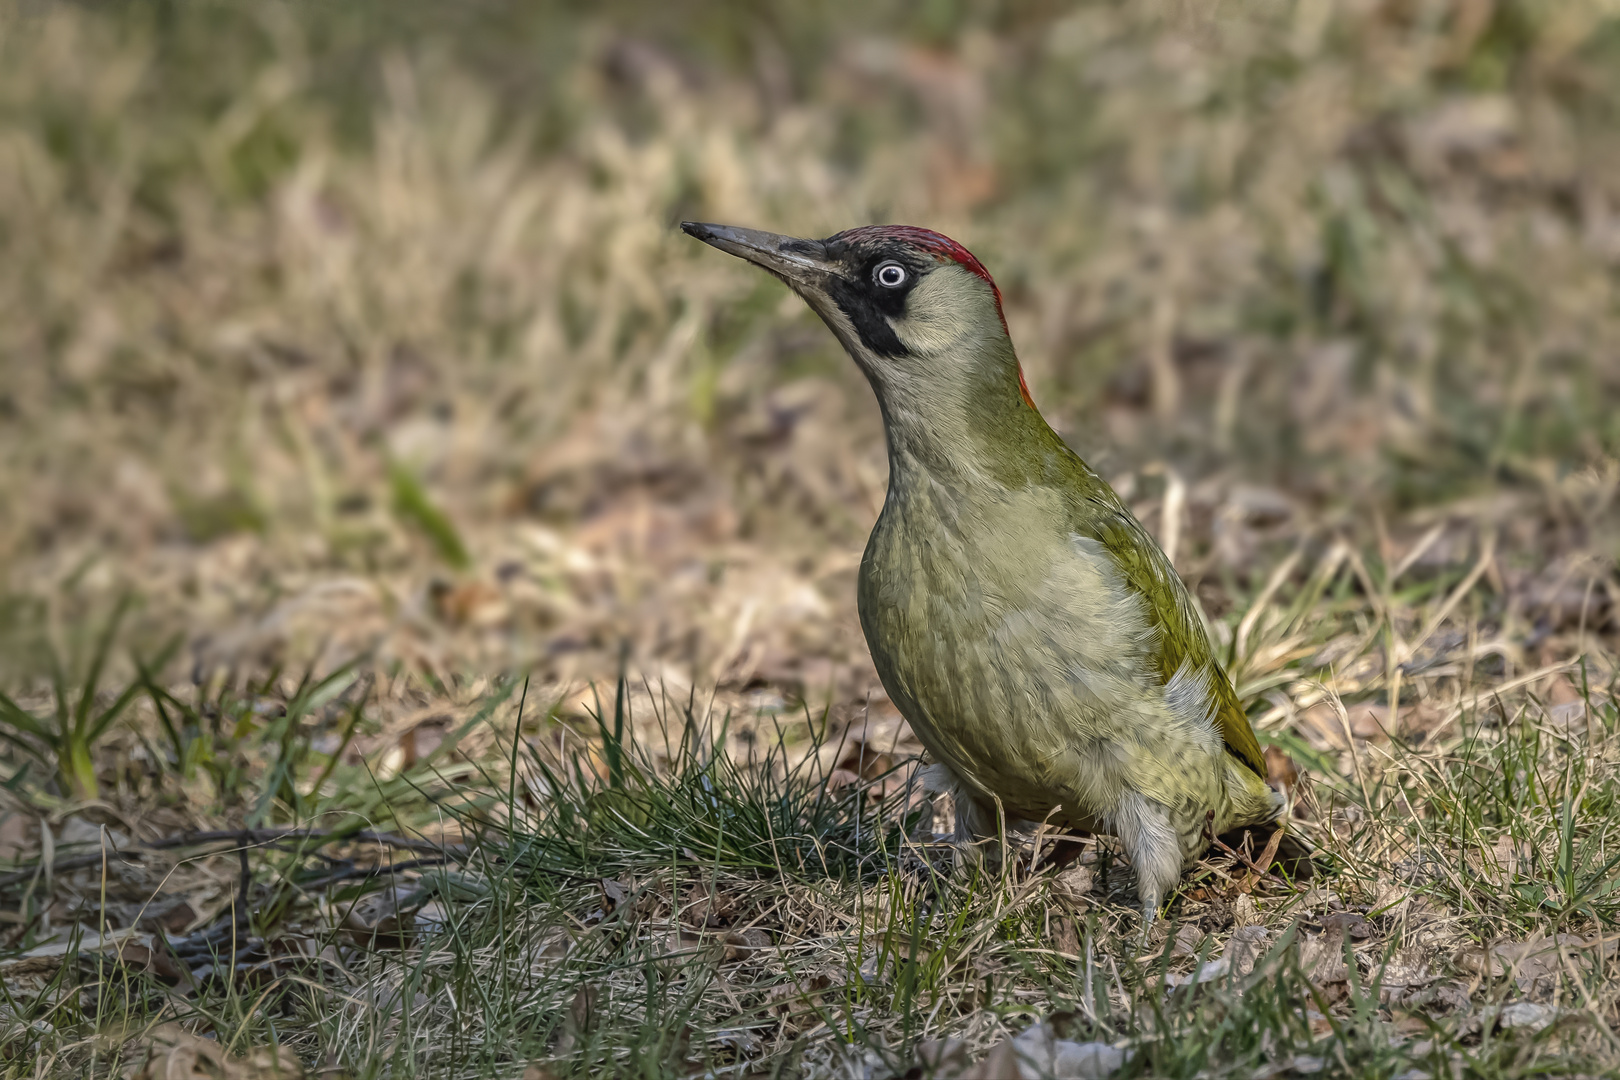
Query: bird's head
x=915, y=309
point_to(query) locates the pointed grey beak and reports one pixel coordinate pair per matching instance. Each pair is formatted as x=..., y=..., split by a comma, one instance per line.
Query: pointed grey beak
x=796, y=261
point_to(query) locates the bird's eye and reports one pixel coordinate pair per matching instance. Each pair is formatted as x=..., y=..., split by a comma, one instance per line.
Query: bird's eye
x=891, y=275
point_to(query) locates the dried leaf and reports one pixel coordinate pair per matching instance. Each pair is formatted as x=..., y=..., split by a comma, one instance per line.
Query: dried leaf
x=384, y=919
x=554, y=946
x=171, y=914
x=615, y=892
x=1347, y=923
x=1189, y=940
x=1448, y=996
x=1206, y=972
x=176, y=1054
x=1403, y=978
x=1242, y=952
x=422, y=738
x=582, y=1011
x=798, y=1003
x=471, y=603
x=1526, y=1014
x=157, y=959
x=740, y=946
x=1536, y=964
x=739, y=1040
x=1065, y=935
x=71, y=939
x=943, y=1058
x=1246, y=947
x=581, y=1019
x=1001, y=1063
x=1037, y=1052
x=1322, y=959
x=703, y=907
x=1244, y=904
x=1245, y=912
x=19, y=835
x=865, y=761
x=1074, y=883
x=1281, y=772
x=679, y=943
x=841, y=778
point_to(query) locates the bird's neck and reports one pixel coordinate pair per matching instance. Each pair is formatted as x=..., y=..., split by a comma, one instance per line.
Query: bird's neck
x=960, y=421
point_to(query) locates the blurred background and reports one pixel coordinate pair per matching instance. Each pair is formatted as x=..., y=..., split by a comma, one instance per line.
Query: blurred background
x=365, y=328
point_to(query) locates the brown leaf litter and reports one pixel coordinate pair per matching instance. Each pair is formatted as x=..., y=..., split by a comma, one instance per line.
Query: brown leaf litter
x=1536, y=966
x=172, y=1053
x=209, y=405
x=1034, y=1054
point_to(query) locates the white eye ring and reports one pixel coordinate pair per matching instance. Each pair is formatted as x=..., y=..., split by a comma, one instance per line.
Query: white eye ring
x=890, y=275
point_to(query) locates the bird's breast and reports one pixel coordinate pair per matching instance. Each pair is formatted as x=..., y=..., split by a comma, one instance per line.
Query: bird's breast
x=1014, y=648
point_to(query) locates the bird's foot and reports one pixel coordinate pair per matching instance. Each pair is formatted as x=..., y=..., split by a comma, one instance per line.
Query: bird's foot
x=1151, y=928
x=978, y=857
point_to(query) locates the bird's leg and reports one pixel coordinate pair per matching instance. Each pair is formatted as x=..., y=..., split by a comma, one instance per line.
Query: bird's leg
x=978, y=832
x=1151, y=843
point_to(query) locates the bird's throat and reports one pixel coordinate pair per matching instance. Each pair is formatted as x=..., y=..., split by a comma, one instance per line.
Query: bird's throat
x=962, y=420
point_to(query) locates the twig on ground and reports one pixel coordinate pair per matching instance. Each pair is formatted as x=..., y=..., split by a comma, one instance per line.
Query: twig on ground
x=271, y=836
x=1257, y=870
x=352, y=872
x=1252, y=878
x=242, y=838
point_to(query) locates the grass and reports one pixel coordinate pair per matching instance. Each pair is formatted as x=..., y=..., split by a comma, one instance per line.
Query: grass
x=657, y=896
x=353, y=350
x=66, y=737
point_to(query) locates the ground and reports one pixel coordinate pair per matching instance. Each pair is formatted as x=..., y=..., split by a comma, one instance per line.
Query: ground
x=428, y=578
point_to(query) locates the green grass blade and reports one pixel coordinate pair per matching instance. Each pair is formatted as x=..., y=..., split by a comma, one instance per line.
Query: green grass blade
x=413, y=506
x=98, y=661
x=18, y=717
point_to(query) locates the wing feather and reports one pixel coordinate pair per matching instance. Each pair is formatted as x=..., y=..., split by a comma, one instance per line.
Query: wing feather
x=1182, y=638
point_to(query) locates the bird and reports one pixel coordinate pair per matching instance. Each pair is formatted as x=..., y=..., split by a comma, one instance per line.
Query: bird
x=1033, y=634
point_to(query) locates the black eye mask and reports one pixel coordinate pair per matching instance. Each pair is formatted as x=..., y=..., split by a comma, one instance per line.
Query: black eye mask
x=869, y=306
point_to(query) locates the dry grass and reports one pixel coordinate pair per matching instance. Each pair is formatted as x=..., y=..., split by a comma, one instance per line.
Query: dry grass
x=349, y=355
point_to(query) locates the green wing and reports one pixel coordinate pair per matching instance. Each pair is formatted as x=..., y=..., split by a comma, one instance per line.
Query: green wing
x=1181, y=632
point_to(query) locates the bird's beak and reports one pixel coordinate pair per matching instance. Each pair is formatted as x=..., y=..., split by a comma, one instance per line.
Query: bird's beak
x=798, y=262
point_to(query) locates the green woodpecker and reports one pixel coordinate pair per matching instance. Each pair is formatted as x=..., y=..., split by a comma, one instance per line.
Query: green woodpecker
x=1031, y=631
